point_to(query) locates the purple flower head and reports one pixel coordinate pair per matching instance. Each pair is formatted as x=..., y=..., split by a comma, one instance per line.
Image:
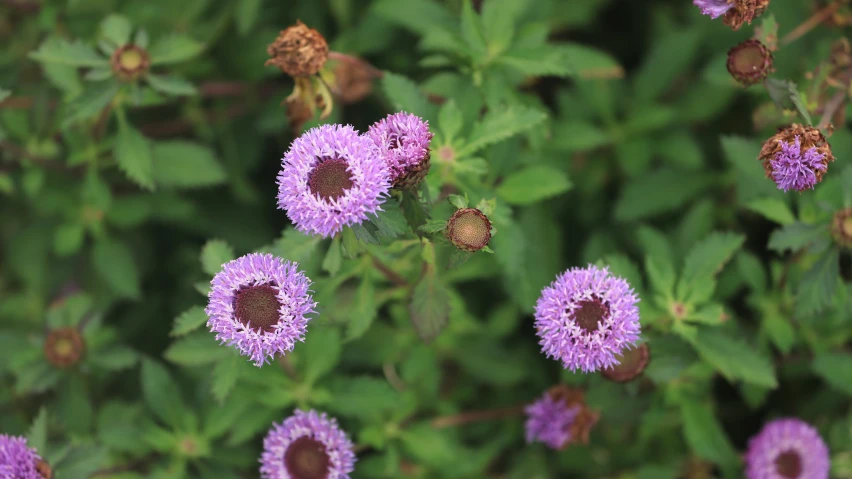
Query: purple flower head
x=787, y=449
x=714, y=8
x=258, y=304
x=794, y=170
x=403, y=140
x=17, y=460
x=307, y=445
x=330, y=178
x=549, y=421
x=586, y=318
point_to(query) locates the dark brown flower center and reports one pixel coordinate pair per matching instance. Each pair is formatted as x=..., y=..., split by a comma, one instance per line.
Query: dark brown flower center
x=789, y=464
x=590, y=313
x=306, y=458
x=64, y=347
x=257, y=307
x=330, y=178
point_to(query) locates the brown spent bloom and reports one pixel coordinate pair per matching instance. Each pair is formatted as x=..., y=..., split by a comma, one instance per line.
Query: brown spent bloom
x=631, y=364
x=298, y=51
x=750, y=62
x=130, y=62
x=585, y=419
x=744, y=11
x=298, y=113
x=44, y=469
x=352, y=83
x=416, y=174
x=841, y=227
x=809, y=137
x=469, y=230
x=64, y=347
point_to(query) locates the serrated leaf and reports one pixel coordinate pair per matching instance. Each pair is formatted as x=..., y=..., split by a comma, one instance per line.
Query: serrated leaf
x=835, y=369
x=418, y=16
x=786, y=95
x=533, y=184
x=365, y=309
x=390, y=222
x=246, y=14
x=367, y=232
x=433, y=226
x=214, y=254
x=183, y=164
x=709, y=256
x=362, y=397
x=774, y=209
x=320, y=353
x=174, y=49
x=189, y=321
x=499, y=125
x=114, y=263
x=819, y=284
x=414, y=212
x=294, y=246
x=61, y=51
x=620, y=265
x=116, y=29
x=732, y=357
x=195, y=349
x=37, y=433
x=705, y=434
x=430, y=306
x=460, y=202
x=171, y=85
x=133, y=155
x=562, y=60
x=161, y=392
x=225, y=375
x=450, y=120
x=659, y=192
x=795, y=236
x=333, y=257
x=90, y=103
x=471, y=28
x=406, y=96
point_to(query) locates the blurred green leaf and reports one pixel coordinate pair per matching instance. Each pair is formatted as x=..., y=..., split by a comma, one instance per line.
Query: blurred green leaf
x=429, y=306
x=214, y=255
x=225, y=376
x=133, y=155
x=189, y=321
x=247, y=14
x=174, y=48
x=773, y=209
x=116, y=29
x=835, y=369
x=732, y=357
x=182, y=164
x=500, y=125
x=161, y=392
x=320, y=353
x=819, y=284
x=705, y=434
x=59, y=50
x=195, y=349
x=795, y=236
x=171, y=85
x=365, y=308
x=113, y=260
x=406, y=96
x=37, y=433
x=533, y=184
x=658, y=192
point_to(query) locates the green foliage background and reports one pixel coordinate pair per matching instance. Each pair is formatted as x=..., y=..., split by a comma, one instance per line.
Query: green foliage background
x=591, y=131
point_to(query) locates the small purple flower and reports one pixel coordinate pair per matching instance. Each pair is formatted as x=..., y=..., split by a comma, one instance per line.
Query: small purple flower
x=17, y=459
x=403, y=140
x=330, y=178
x=549, y=421
x=307, y=445
x=787, y=449
x=258, y=304
x=586, y=318
x=714, y=8
x=794, y=170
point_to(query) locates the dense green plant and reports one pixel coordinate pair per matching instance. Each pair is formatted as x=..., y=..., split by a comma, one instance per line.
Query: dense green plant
x=139, y=144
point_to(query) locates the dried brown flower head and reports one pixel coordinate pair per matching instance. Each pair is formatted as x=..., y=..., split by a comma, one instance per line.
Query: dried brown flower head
x=130, y=62
x=631, y=364
x=585, y=419
x=744, y=11
x=352, y=83
x=750, y=62
x=64, y=347
x=298, y=51
x=44, y=469
x=777, y=146
x=469, y=229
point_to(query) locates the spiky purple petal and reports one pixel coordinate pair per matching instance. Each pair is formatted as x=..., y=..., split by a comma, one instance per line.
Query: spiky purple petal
x=17, y=459
x=403, y=140
x=561, y=336
x=315, y=426
x=549, y=421
x=714, y=8
x=292, y=292
x=787, y=435
x=327, y=216
x=794, y=170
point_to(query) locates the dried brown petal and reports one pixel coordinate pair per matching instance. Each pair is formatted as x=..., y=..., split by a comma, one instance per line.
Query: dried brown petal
x=298, y=51
x=585, y=419
x=744, y=11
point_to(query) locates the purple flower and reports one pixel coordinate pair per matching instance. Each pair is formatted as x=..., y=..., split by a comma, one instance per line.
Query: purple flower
x=17, y=460
x=586, y=318
x=330, y=178
x=714, y=8
x=259, y=304
x=793, y=170
x=787, y=449
x=403, y=140
x=307, y=445
x=549, y=421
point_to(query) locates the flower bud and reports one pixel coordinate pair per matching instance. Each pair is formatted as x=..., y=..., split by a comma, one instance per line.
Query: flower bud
x=750, y=62
x=298, y=51
x=44, y=469
x=130, y=62
x=631, y=364
x=469, y=229
x=841, y=227
x=796, y=158
x=64, y=347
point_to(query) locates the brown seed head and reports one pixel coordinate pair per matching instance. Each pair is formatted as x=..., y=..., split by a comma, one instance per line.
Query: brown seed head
x=64, y=347
x=750, y=62
x=130, y=62
x=298, y=51
x=744, y=11
x=257, y=307
x=788, y=464
x=415, y=174
x=330, y=178
x=306, y=458
x=809, y=137
x=44, y=469
x=841, y=227
x=585, y=419
x=469, y=229
x=631, y=364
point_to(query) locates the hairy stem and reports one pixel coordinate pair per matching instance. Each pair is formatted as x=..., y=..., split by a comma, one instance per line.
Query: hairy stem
x=477, y=416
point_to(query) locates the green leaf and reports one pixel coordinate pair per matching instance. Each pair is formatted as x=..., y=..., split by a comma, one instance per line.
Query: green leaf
x=406, y=96
x=4, y=93
x=37, y=433
x=189, y=321
x=774, y=209
x=89, y=104
x=367, y=232
x=214, y=254
x=707, y=258
x=294, y=246
x=499, y=125
x=732, y=357
x=63, y=52
x=362, y=397
x=196, y=349
x=115, y=358
x=114, y=263
x=116, y=29
x=66, y=78
x=320, y=353
x=581, y=136
x=471, y=28
x=171, y=85
x=390, y=222
x=705, y=434
x=819, y=284
x=161, y=393
x=365, y=309
x=659, y=192
x=133, y=155
x=498, y=22
x=667, y=60
x=533, y=184
x=174, y=49
x=430, y=306
x=225, y=376
x=74, y=408
x=434, y=226
x=418, y=16
x=414, y=212
x=333, y=257
x=835, y=369
x=182, y=164
x=450, y=120
x=68, y=239
x=247, y=14
x=620, y=265
x=786, y=95
x=795, y=236
x=460, y=202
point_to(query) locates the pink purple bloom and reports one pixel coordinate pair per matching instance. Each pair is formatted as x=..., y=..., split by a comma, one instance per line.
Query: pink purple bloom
x=258, y=304
x=17, y=459
x=330, y=178
x=549, y=421
x=403, y=139
x=307, y=445
x=794, y=170
x=586, y=318
x=714, y=8
x=787, y=449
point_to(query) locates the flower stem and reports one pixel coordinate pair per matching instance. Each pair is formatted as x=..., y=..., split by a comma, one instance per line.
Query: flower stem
x=477, y=416
x=390, y=274
x=834, y=104
x=812, y=22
